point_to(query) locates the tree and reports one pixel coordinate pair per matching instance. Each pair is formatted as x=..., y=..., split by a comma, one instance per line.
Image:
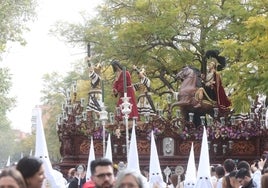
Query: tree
x=248, y=55
x=166, y=35
x=14, y=15
x=6, y=148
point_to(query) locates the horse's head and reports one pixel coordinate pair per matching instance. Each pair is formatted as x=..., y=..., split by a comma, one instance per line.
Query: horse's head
x=184, y=73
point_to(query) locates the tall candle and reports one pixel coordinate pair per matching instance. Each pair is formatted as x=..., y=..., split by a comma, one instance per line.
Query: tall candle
x=125, y=80
x=102, y=90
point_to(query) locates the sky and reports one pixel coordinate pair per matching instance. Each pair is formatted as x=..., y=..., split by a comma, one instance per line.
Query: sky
x=42, y=54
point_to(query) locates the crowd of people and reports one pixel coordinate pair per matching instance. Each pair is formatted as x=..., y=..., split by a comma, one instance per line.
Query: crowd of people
x=240, y=175
x=29, y=173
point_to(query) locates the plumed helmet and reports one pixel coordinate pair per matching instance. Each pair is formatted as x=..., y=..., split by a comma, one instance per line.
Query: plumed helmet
x=215, y=54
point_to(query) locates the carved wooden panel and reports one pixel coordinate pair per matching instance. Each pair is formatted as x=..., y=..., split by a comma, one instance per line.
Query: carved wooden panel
x=244, y=148
x=76, y=149
x=84, y=147
x=185, y=147
x=143, y=147
x=98, y=148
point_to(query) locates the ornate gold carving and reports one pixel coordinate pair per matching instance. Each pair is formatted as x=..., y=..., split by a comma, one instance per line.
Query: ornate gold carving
x=84, y=147
x=243, y=148
x=143, y=146
x=185, y=147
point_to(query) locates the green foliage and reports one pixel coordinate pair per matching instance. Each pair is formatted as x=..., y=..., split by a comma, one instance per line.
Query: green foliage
x=14, y=15
x=166, y=35
x=7, y=102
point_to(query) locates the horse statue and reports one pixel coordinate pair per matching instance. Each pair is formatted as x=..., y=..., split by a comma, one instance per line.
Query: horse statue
x=193, y=97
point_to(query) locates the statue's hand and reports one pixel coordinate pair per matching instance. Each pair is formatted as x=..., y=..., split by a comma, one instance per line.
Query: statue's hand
x=115, y=92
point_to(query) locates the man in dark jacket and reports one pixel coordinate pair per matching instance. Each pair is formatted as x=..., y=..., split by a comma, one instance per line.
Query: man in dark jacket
x=244, y=178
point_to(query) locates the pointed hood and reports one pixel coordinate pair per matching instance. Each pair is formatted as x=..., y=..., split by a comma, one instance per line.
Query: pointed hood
x=133, y=157
x=91, y=157
x=54, y=177
x=190, y=174
x=8, y=162
x=203, y=179
x=40, y=144
x=108, y=153
x=155, y=173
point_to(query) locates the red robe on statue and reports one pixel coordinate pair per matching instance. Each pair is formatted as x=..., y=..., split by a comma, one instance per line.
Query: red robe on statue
x=119, y=87
x=222, y=100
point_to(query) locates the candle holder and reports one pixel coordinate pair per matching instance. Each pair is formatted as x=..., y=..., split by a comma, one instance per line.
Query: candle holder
x=82, y=102
x=216, y=112
x=63, y=106
x=84, y=116
x=232, y=120
x=77, y=120
x=115, y=148
x=111, y=117
x=68, y=94
x=147, y=117
x=118, y=111
x=103, y=119
x=97, y=123
x=251, y=115
x=215, y=148
x=222, y=119
x=169, y=98
x=74, y=86
x=178, y=113
x=203, y=120
x=209, y=120
x=224, y=147
x=59, y=119
x=123, y=148
x=64, y=115
x=69, y=109
x=175, y=95
x=191, y=117
x=209, y=144
x=160, y=112
x=230, y=142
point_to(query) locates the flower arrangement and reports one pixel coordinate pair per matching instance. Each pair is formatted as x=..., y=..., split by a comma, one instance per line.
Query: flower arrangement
x=242, y=129
x=156, y=132
x=237, y=126
x=97, y=133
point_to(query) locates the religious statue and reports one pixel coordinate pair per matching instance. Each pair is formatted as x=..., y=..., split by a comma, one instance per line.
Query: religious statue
x=95, y=94
x=123, y=84
x=212, y=86
x=145, y=102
